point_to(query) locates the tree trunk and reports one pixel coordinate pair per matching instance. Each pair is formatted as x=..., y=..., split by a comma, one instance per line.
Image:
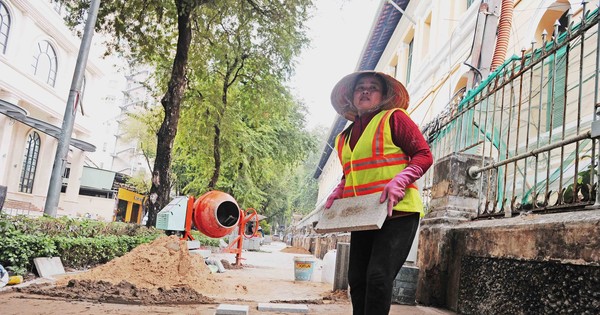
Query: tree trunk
x=216, y=156
x=171, y=102
x=217, y=139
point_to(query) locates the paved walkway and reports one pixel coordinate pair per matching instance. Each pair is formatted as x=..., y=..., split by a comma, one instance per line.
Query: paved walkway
x=269, y=266
x=281, y=265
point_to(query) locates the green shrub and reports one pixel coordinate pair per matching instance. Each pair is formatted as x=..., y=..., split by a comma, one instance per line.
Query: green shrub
x=75, y=227
x=85, y=252
x=17, y=250
x=80, y=243
x=205, y=240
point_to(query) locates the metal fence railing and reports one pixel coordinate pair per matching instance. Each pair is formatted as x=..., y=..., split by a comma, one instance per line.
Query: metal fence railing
x=531, y=122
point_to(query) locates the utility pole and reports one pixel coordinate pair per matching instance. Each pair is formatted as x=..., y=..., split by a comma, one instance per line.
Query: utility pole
x=60, y=160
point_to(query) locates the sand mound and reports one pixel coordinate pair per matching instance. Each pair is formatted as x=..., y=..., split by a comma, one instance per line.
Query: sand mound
x=165, y=263
x=295, y=250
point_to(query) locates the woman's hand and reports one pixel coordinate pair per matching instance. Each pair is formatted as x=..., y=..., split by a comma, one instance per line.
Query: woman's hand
x=337, y=193
x=394, y=190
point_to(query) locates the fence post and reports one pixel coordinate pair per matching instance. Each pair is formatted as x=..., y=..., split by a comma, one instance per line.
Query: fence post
x=340, y=280
x=454, y=199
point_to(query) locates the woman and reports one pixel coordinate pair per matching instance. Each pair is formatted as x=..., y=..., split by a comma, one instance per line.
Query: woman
x=382, y=151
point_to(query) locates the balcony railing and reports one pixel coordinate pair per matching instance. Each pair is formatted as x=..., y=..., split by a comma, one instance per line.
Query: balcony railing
x=533, y=122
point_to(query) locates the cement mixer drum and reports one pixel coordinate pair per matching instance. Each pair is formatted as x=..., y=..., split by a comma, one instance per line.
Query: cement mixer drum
x=216, y=214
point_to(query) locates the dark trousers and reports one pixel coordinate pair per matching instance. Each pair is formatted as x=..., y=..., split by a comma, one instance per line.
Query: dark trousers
x=376, y=257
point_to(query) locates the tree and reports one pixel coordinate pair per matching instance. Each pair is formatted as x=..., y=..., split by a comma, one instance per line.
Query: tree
x=140, y=128
x=147, y=30
x=242, y=131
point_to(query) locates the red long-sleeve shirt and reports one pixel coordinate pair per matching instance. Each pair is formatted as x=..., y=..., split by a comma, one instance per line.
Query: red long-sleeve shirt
x=405, y=134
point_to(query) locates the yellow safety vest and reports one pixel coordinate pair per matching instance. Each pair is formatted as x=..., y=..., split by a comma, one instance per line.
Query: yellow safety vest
x=374, y=161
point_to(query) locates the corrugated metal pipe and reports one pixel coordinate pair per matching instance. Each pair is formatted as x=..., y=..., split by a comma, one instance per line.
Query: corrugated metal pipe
x=504, y=26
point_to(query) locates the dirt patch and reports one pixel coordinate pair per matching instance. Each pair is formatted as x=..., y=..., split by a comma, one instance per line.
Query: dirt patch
x=295, y=250
x=124, y=292
x=227, y=265
x=337, y=296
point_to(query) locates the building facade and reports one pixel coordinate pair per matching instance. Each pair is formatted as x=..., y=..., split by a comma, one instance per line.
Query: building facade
x=442, y=49
x=37, y=60
x=506, y=94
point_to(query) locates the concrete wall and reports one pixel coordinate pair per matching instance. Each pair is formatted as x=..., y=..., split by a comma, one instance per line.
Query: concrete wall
x=529, y=264
x=318, y=245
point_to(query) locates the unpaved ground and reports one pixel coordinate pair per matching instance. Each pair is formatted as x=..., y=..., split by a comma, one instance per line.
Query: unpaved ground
x=266, y=276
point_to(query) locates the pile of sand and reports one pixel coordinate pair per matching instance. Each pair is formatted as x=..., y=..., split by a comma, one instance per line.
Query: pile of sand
x=165, y=263
x=295, y=250
x=156, y=273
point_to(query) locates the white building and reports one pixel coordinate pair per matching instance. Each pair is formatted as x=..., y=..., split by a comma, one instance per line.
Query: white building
x=432, y=47
x=37, y=60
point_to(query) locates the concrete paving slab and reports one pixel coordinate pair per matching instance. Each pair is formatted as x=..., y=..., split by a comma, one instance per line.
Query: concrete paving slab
x=48, y=266
x=353, y=214
x=282, y=307
x=193, y=245
x=205, y=253
x=232, y=309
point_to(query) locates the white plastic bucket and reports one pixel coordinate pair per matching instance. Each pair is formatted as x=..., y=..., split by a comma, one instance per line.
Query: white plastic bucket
x=303, y=267
x=328, y=273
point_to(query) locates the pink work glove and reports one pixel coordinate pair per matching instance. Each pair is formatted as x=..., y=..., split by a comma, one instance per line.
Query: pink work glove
x=395, y=188
x=337, y=193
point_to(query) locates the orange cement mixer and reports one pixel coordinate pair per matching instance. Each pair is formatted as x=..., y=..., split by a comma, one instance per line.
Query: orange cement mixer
x=215, y=214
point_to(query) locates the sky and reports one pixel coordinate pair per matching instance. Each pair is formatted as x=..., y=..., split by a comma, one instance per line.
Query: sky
x=338, y=31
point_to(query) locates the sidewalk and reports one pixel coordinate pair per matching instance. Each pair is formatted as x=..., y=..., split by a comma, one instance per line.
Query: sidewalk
x=271, y=264
x=267, y=277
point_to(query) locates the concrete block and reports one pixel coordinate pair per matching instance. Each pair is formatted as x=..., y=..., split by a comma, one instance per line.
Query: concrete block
x=353, y=214
x=231, y=309
x=405, y=285
x=267, y=240
x=408, y=274
x=193, y=244
x=251, y=243
x=342, y=260
x=203, y=252
x=283, y=308
x=217, y=263
x=48, y=266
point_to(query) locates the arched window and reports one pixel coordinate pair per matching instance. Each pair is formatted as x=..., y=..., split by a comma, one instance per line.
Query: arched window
x=4, y=27
x=30, y=159
x=44, y=62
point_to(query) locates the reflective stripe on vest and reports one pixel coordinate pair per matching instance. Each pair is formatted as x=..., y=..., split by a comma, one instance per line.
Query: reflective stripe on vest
x=374, y=161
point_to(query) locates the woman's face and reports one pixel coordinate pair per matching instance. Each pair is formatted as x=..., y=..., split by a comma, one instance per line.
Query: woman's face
x=367, y=94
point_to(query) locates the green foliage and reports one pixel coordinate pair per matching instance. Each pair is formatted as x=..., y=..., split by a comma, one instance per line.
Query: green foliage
x=74, y=227
x=205, y=240
x=240, y=131
x=141, y=182
x=17, y=250
x=79, y=243
x=84, y=252
x=141, y=29
x=266, y=227
x=239, y=120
